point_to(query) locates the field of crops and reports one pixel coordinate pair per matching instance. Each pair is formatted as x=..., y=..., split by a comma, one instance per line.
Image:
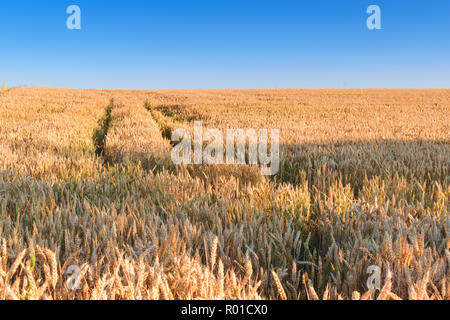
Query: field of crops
x=92, y=206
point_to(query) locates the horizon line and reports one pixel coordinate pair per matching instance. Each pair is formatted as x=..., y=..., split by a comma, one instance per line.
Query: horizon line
x=237, y=88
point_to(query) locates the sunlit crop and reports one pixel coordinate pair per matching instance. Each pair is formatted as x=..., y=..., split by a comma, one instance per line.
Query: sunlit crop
x=363, y=181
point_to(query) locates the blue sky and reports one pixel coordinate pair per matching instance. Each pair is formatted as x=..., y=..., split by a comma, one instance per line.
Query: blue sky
x=225, y=44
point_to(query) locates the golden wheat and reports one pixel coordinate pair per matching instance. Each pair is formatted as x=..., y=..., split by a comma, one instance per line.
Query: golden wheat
x=364, y=180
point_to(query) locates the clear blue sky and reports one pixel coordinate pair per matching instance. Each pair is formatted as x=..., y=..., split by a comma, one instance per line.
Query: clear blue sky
x=225, y=44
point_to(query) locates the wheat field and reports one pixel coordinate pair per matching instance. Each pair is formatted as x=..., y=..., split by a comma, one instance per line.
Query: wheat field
x=87, y=184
